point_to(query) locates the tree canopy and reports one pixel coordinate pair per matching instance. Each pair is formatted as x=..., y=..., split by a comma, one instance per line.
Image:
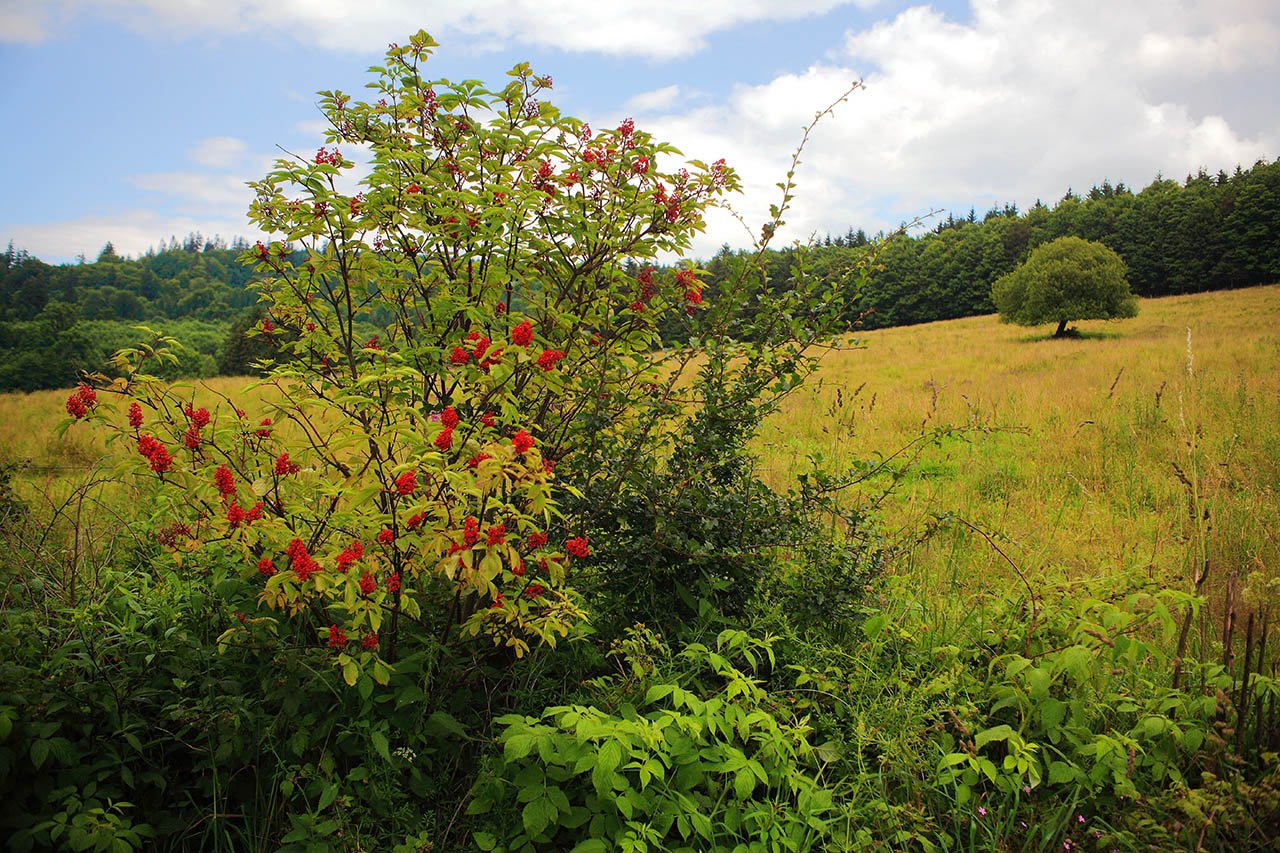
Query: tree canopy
x=1064, y=280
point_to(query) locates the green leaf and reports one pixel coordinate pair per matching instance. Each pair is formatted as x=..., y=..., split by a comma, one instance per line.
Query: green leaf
x=537, y=815
x=591, y=845
x=984, y=737
x=326, y=799
x=485, y=840
x=39, y=752
x=1060, y=772
x=380, y=744
x=518, y=746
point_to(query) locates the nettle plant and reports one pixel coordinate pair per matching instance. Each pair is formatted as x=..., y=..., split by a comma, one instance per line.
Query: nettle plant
x=461, y=334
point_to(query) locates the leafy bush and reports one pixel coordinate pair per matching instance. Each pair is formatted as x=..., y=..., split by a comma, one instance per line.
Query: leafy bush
x=702, y=762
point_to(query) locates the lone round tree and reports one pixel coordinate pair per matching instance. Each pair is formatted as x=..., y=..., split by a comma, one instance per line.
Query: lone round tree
x=1067, y=279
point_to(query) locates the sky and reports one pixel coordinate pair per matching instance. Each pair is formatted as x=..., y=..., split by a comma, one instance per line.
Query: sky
x=133, y=120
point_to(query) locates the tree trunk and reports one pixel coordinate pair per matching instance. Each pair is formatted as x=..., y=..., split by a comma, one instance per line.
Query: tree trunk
x=1062, y=329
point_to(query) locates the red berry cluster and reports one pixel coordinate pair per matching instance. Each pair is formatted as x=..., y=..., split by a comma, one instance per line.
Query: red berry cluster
x=325, y=157
x=550, y=358
x=522, y=334
x=237, y=516
x=579, y=546
x=407, y=483
x=351, y=554
x=285, y=466
x=154, y=451
x=82, y=401
x=301, y=561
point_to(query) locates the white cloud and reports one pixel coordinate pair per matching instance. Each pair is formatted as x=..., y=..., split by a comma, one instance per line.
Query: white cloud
x=218, y=152
x=1021, y=102
x=660, y=29
x=648, y=102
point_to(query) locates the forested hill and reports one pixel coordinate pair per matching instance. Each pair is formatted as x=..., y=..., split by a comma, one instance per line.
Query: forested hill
x=1208, y=232
x=58, y=320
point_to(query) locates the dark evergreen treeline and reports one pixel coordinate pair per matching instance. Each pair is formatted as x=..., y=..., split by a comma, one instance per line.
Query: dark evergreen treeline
x=1207, y=233
x=1210, y=232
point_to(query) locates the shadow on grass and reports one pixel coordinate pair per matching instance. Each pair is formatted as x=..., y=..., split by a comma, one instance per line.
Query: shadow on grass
x=1071, y=335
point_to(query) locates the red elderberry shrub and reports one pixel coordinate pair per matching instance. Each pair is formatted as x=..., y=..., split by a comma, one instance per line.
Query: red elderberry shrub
x=474, y=461
x=535, y=540
x=522, y=334
x=449, y=417
x=264, y=429
x=578, y=546
x=444, y=439
x=268, y=327
x=414, y=188
x=459, y=356
x=337, y=637
x=415, y=521
x=367, y=584
x=407, y=483
x=192, y=438
x=266, y=567
x=549, y=358
x=488, y=419
x=369, y=641
x=470, y=531
x=500, y=308
x=386, y=536
x=393, y=582
x=534, y=590
x=518, y=569
x=522, y=441
x=135, y=415
x=497, y=535
x=497, y=601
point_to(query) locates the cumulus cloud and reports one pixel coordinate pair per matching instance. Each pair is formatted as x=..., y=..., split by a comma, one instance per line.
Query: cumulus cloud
x=659, y=29
x=1020, y=102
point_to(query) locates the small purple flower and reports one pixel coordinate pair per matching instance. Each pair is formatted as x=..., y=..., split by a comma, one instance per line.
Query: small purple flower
x=1026, y=789
x=982, y=811
x=1079, y=818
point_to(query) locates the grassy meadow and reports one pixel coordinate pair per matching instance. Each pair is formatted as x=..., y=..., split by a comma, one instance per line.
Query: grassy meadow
x=1076, y=455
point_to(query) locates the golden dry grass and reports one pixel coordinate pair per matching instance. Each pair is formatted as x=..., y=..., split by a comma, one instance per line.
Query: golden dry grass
x=1071, y=445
